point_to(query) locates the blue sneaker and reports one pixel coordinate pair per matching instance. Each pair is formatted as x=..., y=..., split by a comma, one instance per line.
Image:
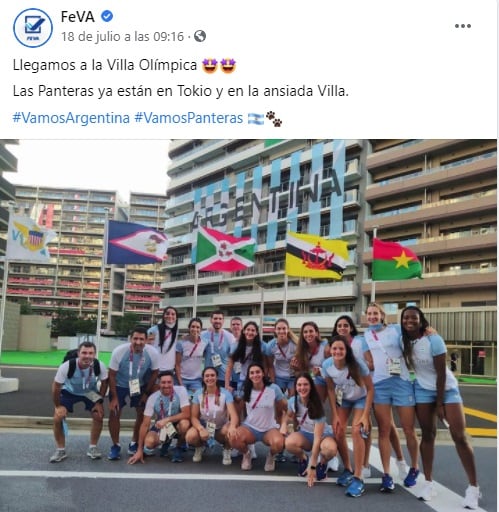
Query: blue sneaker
x=280, y=457
x=321, y=471
x=177, y=455
x=387, y=484
x=356, y=488
x=345, y=478
x=163, y=452
x=114, y=452
x=302, y=466
x=411, y=478
x=132, y=448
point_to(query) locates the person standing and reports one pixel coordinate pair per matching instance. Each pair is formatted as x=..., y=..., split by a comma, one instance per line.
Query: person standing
x=191, y=350
x=220, y=343
x=77, y=380
x=133, y=371
x=437, y=397
x=163, y=337
x=310, y=354
x=350, y=391
x=392, y=388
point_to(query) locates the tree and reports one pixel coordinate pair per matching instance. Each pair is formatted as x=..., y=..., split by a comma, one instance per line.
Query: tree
x=126, y=323
x=67, y=323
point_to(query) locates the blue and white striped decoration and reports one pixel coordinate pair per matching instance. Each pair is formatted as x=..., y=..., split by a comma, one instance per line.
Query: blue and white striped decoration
x=336, y=215
x=314, y=204
x=256, y=198
x=273, y=208
x=239, y=212
x=294, y=179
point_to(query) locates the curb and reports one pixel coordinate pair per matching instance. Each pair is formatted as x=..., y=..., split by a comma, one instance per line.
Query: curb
x=42, y=422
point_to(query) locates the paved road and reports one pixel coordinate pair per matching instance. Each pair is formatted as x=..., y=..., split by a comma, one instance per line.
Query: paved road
x=35, y=383
x=29, y=483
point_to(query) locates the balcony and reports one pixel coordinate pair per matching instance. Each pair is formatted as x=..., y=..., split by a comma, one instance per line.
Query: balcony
x=466, y=206
x=469, y=171
x=409, y=151
x=8, y=162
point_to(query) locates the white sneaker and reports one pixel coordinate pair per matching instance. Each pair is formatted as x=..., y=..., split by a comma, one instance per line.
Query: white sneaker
x=403, y=469
x=333, y=464
x=246, y=462
x=226, y=458
x=252, y=449
x=269, y=462
x=471, y=497
x=428, y=492
x=366, y=472
x=198, y=454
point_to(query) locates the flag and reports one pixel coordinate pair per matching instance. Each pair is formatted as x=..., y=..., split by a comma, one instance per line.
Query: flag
x=27, y=241
x=392, y=261
x=313, y=256
x=134, y=243
x=218, y=252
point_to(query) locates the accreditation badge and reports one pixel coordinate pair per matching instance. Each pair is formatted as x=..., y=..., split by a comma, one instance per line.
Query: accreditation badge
x=93, y=396
x=170, y=429
x=134, y=386
x=211, y=427
x=339, y=395
x=238, y=367
x=216, y=360
x=394, y=366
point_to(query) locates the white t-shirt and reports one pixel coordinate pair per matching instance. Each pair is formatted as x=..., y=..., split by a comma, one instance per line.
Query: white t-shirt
x=163, y=406
x=260, y=410
x=423, y=350
x=209, y=410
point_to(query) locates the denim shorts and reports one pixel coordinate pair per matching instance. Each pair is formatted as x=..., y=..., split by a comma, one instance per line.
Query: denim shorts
x=285, y=383
x=354, y=404
x=429, y=396
x=394, y=391
x=309, y=436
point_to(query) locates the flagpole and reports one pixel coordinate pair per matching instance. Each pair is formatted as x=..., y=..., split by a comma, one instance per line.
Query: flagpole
x=285, y=301
x=4, y=299
x=373, y=282
x=196, y=275
x=102, y=273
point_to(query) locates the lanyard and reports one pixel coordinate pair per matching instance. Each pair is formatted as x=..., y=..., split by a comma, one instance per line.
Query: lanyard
x=86, y=382
x=258, y=398
x=282, y=351
x=217, y=393
x=162, y=405
x=304, y=417
x=168, y=335
x=220, y=341
x=314, y=352
x=130, y=360
x=194, y=349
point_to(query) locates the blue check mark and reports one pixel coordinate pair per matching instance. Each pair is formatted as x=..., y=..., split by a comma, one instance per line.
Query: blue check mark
x=32, y=28
x=106, y=15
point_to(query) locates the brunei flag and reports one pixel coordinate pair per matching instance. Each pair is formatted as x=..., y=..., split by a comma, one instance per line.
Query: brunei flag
x=392, y=262
x=218, y=252
x=313, y=256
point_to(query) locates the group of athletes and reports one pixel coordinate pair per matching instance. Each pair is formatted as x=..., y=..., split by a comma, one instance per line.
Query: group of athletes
x=232, y=388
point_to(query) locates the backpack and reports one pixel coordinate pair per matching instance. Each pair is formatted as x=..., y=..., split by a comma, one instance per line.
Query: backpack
x=72, y=356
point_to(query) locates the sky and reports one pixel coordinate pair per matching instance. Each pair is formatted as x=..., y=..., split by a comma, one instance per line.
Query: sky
x=122, y=165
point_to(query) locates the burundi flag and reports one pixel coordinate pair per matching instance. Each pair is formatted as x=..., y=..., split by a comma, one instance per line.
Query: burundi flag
x=392, y=261
x=27, y=241
x=129, y=243
x=218, y=252
x=313, y=256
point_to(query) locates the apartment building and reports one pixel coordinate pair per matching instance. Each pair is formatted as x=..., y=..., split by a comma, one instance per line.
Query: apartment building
x=71, y=280
x=438, y=197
